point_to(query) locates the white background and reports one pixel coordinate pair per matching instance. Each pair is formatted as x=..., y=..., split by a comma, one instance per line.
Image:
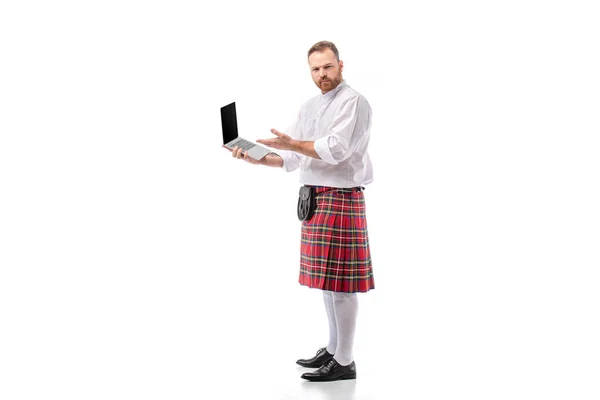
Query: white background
x=139, y=261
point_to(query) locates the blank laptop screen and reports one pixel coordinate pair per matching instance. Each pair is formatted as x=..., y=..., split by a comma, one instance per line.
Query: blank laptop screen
x=229, y=123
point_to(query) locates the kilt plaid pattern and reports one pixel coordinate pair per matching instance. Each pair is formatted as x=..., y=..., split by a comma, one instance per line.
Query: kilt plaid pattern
x=334, y=250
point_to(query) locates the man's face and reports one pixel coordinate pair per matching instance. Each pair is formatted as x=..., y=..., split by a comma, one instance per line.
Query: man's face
x=326, y=71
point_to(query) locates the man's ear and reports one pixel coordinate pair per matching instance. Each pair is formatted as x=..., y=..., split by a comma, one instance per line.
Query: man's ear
x=341, y=65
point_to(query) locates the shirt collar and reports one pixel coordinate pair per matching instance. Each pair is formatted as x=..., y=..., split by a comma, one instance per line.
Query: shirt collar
x=331, y=94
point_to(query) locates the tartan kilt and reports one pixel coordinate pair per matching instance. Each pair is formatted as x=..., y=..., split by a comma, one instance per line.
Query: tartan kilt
x=334, y=250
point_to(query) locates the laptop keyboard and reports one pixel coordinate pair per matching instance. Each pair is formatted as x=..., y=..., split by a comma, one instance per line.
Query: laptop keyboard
x=243, y=144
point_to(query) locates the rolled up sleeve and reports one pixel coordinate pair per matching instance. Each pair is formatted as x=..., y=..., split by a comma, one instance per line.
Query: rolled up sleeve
x=291, y=160
x=348, y=129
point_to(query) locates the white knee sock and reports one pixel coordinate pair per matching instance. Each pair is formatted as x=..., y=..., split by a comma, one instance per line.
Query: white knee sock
x=328, y=299
x=345, y=306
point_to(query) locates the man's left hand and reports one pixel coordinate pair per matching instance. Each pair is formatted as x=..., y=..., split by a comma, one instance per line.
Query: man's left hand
x=281, y=142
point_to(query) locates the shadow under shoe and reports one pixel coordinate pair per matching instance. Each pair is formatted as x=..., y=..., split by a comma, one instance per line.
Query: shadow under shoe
x=332, y=371
x=321, y=358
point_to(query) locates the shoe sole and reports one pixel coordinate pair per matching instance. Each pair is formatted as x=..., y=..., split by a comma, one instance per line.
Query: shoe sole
x=341, y=378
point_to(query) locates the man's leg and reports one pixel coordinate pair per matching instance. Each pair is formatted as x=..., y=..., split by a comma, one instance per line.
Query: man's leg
x=345, y=307
x=324, y=354
x=328, y=299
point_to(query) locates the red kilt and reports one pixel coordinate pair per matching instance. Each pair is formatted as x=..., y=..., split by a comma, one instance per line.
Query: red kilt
x=334, y=251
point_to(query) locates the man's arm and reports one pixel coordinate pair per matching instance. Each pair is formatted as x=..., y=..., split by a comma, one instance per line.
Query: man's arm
x=285, y=142
x=306, y=148
x=354, y=115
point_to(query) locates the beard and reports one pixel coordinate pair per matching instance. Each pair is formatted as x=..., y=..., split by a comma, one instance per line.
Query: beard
x=329, y=83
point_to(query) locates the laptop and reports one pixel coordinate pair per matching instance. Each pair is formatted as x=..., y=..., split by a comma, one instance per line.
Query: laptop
x=230, y=134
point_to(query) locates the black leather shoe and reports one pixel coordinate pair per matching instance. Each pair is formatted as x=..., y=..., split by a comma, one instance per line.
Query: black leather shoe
x=332, y=371
x=320, y=359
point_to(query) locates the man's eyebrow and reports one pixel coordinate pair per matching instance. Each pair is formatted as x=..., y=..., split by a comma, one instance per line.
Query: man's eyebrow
x=317, y=67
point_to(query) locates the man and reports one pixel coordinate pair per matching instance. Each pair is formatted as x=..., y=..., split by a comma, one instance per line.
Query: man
x=328, y=142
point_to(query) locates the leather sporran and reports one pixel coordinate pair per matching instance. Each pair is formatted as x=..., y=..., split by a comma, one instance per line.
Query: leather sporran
x=307, y=203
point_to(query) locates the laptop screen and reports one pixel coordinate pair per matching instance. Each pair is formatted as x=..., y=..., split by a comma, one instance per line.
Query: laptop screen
x=229, y=123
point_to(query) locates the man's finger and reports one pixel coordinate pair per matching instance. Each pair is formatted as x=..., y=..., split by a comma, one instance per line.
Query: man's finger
x=276, y=132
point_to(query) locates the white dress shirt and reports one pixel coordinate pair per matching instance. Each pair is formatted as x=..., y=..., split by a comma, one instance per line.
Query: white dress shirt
x=339, y=122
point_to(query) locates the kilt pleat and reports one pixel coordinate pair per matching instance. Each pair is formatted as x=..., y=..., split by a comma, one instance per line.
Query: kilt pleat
x=334, y=250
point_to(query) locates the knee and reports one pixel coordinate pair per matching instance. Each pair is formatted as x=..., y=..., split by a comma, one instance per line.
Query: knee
x=343, y=297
